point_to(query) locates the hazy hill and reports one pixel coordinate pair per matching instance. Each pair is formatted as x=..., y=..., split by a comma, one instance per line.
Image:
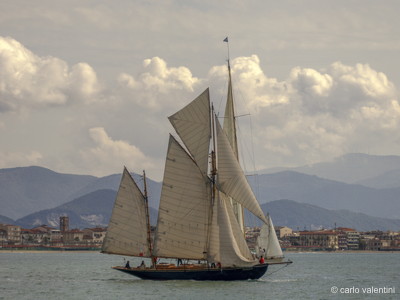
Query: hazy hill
x=26, y=190
x=302, y=216
x=5, y=220
x=328, y=194
x=112, y=182
x=29, y=189
x=93, y=209
x=349, y=168
x=390, y=179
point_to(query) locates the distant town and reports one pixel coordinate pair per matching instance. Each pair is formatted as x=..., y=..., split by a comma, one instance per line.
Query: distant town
x=44, y=237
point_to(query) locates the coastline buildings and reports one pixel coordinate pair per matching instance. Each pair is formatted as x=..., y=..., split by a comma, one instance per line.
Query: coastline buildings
x=12, y=236
x=343, y=239
x=331, y=240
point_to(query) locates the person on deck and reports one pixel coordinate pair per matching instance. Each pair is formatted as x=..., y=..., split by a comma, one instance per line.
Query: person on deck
x=142, y=265
x=262, y=260
x=127, y=265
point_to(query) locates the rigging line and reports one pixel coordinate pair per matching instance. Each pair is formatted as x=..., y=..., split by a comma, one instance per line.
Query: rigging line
x=286, y=265
x=256, y=183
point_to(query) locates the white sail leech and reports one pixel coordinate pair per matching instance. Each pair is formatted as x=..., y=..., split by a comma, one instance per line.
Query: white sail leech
x=184, y=205
x=126, y=233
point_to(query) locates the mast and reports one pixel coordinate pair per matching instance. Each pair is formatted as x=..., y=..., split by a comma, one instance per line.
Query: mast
x=213, y=182
x=146, y=205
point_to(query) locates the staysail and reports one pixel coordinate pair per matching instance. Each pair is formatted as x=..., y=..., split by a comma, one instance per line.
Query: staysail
x=227, y=243
x=231, y=178
x=184, y=205
x=126, y=233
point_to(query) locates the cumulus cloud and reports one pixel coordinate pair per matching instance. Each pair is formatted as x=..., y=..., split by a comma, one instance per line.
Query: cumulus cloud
x=311, y=116
x=158, y=86
x=258, y=89
x=317, y=114
x=108, y=154
x=29, y=81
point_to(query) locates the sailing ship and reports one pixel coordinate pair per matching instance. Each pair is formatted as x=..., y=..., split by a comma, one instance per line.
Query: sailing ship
x=200, y=217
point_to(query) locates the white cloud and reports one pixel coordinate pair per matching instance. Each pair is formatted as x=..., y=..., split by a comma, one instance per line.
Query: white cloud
x=248, y=76
x=108, y=154
x=158, y=86
x=311, y=116
x=30, y=81
x=323, y=113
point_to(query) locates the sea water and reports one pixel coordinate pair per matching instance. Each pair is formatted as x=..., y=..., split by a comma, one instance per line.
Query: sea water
x=77, y=275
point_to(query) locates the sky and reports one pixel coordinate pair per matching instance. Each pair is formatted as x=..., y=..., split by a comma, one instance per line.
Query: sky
x=86, y=86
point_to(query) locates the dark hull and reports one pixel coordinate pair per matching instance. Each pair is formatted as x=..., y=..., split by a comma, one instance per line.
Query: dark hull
x=227, y=274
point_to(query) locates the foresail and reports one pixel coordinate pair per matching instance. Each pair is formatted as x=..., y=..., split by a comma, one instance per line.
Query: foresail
x=231, y=178
x=268, y=243
x=227, y=243
x=193, y=125
x=184, y=207
x=274, y=248
x=126, y=233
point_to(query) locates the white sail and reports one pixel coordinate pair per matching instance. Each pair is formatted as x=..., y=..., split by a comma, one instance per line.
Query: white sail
x=193, y=125
x=127, y=230
x=230, y=131
x=231, y=178
x=268, y=243
x=184, y=207
x=229, y=119
x=227, y=244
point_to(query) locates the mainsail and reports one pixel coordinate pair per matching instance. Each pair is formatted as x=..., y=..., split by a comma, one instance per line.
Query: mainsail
x=126, y=233
x=184, y=205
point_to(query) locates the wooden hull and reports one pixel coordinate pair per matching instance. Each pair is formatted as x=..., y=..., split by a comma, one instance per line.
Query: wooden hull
x=179, y=273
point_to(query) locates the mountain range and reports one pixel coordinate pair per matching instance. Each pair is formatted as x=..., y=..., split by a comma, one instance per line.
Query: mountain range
x=33, y=195
x=94, y=209
x=375, y=171
x=91, y=210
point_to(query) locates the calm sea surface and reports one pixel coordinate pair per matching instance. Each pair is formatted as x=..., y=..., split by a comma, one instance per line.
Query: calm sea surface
x=68, y=275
